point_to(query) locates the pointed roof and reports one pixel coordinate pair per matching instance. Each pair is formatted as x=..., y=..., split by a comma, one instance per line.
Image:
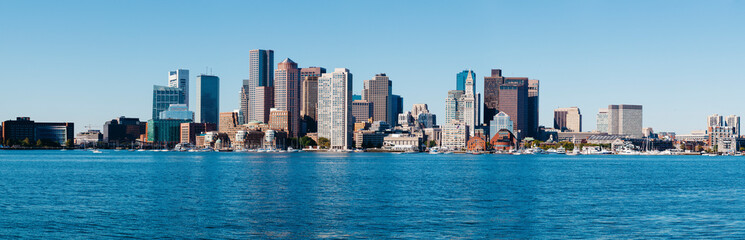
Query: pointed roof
x=287, y=60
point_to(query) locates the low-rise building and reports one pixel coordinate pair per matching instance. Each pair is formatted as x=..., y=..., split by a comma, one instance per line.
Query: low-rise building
x=368, y=139
x=89, y=137
x=402, y=142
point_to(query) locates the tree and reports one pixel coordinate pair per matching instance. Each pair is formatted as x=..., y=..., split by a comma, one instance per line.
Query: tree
x=324, y=142
x=306, y=141
x=39, y=143
x=26, y=142
x=431, y=143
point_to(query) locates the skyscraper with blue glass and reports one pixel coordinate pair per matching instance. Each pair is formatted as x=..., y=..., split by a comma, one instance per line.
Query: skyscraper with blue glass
x=460, y=83
x=208, y=99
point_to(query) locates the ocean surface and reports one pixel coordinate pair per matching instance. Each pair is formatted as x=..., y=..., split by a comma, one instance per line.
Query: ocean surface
x=147, y=195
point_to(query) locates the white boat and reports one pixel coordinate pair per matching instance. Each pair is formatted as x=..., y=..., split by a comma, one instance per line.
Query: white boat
x=96, y=151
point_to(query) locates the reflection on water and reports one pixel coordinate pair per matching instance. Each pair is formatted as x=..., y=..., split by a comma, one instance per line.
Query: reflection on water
x=52, y=194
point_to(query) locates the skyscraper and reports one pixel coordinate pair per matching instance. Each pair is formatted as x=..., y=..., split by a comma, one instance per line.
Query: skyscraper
x=263, y=104
x=460, y=79
x=491, y=94
x=396, y=107
x=378, y=91
x=568, y=119
x=513, y=100
x=470, y=105
x=715, y=120
x=309, y=98
x=163, y=97
x=245, y=101
x=602, y=120
x=734, y=122
x=335, y=108
x=362, y=110
x=453, y=106
x=287, y=93
x=180, y=79
x=261, y=74
x=208, y=99
x=625, y=120
x=533, y=86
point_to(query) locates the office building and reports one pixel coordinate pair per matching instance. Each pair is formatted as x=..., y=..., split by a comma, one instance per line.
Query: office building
x=513, y=101
x=533, y=86
x=455, y=135
x=461, y=78
x=602, y=120
x=24, y=128
x=164, y=132
x=245, y=108
x=190, y=131
x=263, y=104
x=734, y=122
x=491, y=94
x=180, y=79
x=501, y=121
x=426, y=120
x=453, y=106
x=287, y=93
x=378, y=91
x=279, y=120
x=362, y=111
x=309, y=98
x=163, y=97
x=397, y=107
x=123, y=130
x=335, y=108
x=418, y=108
x=625, y=120
x=568, y=119
x=715, y=120
x=177, y=111
x=208, y=99
x=90, y=137
x=261, y=74
x=229, y=124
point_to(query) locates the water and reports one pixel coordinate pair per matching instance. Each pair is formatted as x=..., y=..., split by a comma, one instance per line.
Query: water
x=77, y=194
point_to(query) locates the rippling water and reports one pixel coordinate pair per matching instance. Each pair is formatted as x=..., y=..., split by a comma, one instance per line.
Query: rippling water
x=77, y=194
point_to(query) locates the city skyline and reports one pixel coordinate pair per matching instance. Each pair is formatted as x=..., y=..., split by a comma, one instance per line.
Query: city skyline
x=613, y=60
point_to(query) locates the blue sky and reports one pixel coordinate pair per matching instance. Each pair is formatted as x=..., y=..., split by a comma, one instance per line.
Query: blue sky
x=91, y=61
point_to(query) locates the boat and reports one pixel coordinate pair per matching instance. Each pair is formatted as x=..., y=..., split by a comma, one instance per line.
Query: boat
x=96, y=151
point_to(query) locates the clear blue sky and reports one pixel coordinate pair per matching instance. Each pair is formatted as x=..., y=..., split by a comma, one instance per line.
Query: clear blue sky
x=91, y=61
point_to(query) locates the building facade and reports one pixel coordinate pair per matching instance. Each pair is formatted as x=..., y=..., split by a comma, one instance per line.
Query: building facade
x=335, y=108
x=24, y=128
x=568, y=119
x=163, y=97
x=190, y=131
x=123, y=130
x=287, y=93
x=177, y=111
x=261, y=74
x=461, y=78
x=602, y=120
x=625, y=120
x=180, y=79
x=378, y=91
x=362, y=111
x=513, y=101
x=500, y=121
x=208, y=99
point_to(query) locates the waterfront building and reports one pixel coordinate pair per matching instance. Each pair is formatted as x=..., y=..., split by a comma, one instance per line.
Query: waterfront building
x=503, y=140
x=309, y=103
x=180, y=79
x=378, y=91
x=402, y=142
x=625, y=120
x=164, y=131
x=520, y=101
x=208, y=99
x=728, y=145
x=362, y=111
x=177, y=111
x=23, y=128
x=261, y=74
x=433, y=134
x=568, y=119
x=335, y=108
x=279, y=120
x=455, y=135
x=368, y=139
x=470, y=105
x=163, y=97
x=190, y=131
x=123, y=130
x=229, y=123
x=287, y=94
x=602, y=120
x=461, y=79
x=500, y=121
x=90, y=137
x=476, y=143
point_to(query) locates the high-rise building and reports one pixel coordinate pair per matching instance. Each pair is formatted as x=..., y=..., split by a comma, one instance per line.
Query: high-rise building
x=453, y=106
x=229, y=122
x=454, y=135
x=499, y=122
x=602, y=120
x=533, y=86
x=418, y=108
x=180, y=79
x=245, y=108
x=513, y=100
x=309, y=98
x=163, y=97
x=287, y=93
x=335, y=108
x=396, y=107
x=568, y=119
x=261, y=74
x=491, y=94
x=264, y=103
x=362, y=110
x=734, y=122
x=715, y=120
x=460, y=79
x=279, y=120
x=470, y=104
x=208, y=99
x=625, y=120
x=378, y=91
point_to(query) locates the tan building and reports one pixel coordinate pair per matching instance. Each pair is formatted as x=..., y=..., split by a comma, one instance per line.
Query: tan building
x=287, y=94
x=378, y=92
x=279, y=120
x=568, y=119
x=190, y=131
x=228, y=124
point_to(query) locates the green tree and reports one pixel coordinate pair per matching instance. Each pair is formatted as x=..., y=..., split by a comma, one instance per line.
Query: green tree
x=26, y=143
x=324, y=142
x=39, y=143
x=306, y=141
x=431, y=143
